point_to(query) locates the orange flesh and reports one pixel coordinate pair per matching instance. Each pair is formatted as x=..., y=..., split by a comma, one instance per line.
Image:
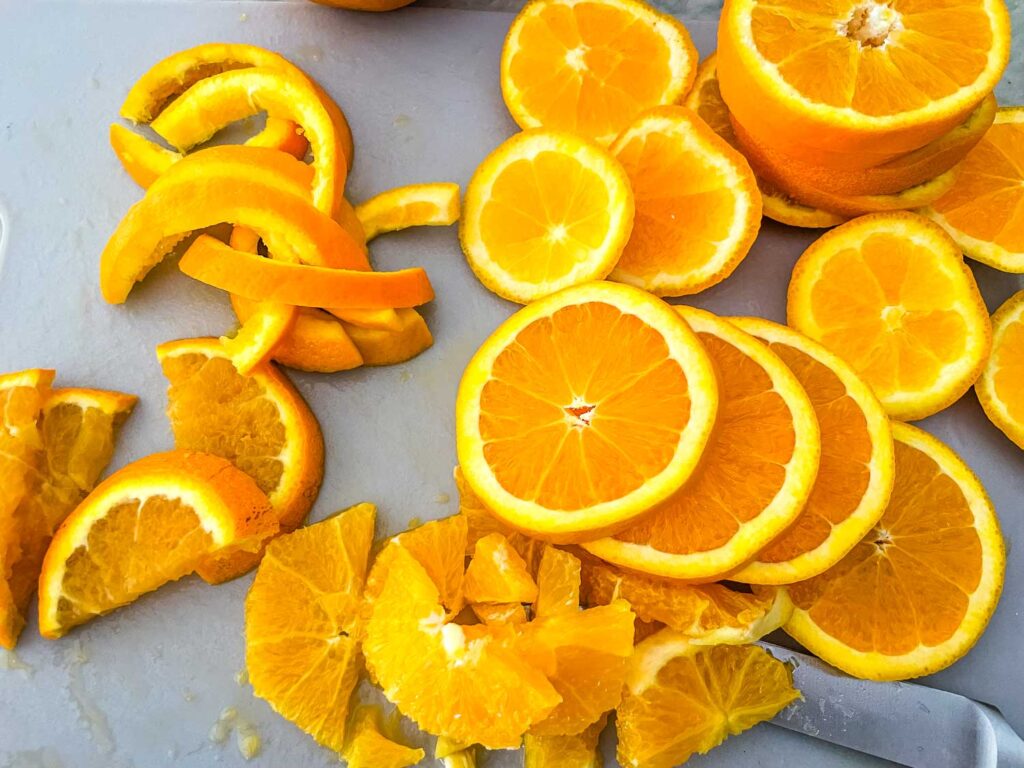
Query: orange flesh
x=1009, y=370
x=539, y=438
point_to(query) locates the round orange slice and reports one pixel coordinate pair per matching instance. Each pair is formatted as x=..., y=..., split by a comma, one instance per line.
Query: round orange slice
x=544, y=211
x=590, y=68
x=858, y=82
x=855, y=474
x=1000, y=388
x=755, y=476
x=698, y=209
x=937, y=552
x=414, y=205
x=583, y=411
x=890, y=294
x=152, y=522
x=982, y=211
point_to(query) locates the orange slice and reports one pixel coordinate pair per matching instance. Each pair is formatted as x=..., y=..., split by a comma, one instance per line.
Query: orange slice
x=584, y=410
x=891, y=295
x=497, y=574
x=1000, y=388
x=982, y=210
x=936, y=552
x=855, y=475
x=683, y=699
x=302, y=618
x=698, y=209
x=590, y=68
x=755, y=475
x=154, y=521
x=415, y=205
x=369, y=747
x=578, y=750
x=544, y=211
x=857, y=82
x=259, y=422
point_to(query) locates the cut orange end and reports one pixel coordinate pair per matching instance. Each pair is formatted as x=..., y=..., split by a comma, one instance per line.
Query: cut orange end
x=154, y=521
x=756, y=473
x=497, y=574
x=891, y=295
x=1000, y=387
x=415, y=205
x=936, y=552
x=590, y=68
x=584, y=410
x=698, y=209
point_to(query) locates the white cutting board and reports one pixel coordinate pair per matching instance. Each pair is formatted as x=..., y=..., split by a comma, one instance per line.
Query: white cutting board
x=143, y=686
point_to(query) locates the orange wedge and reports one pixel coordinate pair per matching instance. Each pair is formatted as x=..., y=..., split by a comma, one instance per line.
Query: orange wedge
x=497, y=574
x=302, y=618
x=891, y=295
x=369, y=747
x=936, y=552
x=578, y=750
x=1000, y=388
x=855, y=475
x=982, y=211
x=754, y=477
x=584, y=410
x=154, y=521
x=544, y=211
x=698, y=209
x=856, y=83
x=414, y=205
x=590, y=68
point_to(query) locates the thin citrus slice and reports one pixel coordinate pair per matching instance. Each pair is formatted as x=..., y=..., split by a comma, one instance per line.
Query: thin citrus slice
x=545, y=210
x=698, y=209
x=369, y=747
x=154, y=521
x=891, y=295
x=590, y=68
x=855, y=474
x=577, y=750
x=754, y=477
x=982, y=211
x=916, y=594
x=497, y=574
x=683, y=699
x=415, y=205
x=1000, y=388
x=707, y=614
x=558, y=583
x=255, y=342
x=584, y=410
x=302, y=619
x=858, y=81
x=259, y=422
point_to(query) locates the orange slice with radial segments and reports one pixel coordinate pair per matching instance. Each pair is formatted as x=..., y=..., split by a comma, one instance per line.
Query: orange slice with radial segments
x=1000, y=388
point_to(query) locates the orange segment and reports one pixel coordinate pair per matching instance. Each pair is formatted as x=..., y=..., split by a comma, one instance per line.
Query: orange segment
x=590, y=68
x=936, y=552
x=414, y=205
x=856, y=471
x=1000, y=388
x=755, y=474
x=369, y=747
x=154, y=521
x=891, y=295
x=558, y=583
x=255, y=342
x=578, y=750
x=302, y=622
x=497, y=574
x=698, y=209
x=584, y=410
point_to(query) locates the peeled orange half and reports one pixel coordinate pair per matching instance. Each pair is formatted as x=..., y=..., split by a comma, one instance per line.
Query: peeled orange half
x=1000, y=388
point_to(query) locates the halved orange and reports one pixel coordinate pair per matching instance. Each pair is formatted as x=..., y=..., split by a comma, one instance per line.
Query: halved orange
x=983, y=210
x=584, y=410
x=151, y=522
x=497, y=574
x=414, y=205
x=698, y=208
x=590, y=68
x=754, y=477
x=855, y=83
x=1000, y=388
x=918, y=591
x=890, y=294
x=545, y=210
x=855, y=474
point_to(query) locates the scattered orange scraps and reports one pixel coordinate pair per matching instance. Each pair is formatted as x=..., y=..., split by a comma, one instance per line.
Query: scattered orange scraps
x=855, y=474
x=590, y=68
x=754, y=477
x=936, y=552
x=981, y=211
x=369, y=747
x=302, y=617
x=259, y=422
x=891, y=80
x=698, y=208
x=1000, y=388
x=151, y=522
x=584, y=410
x=891, y=295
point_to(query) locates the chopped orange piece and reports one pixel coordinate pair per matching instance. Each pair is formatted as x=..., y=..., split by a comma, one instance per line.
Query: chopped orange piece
x=558, y=583
x=578, y=750
x=415, y=205
x=380, y=346
x=1000, y=388
x=497, y=574
x=369, y=747
x=500, y=613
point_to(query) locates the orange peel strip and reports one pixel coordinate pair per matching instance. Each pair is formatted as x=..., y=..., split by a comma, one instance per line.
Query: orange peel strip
x=259, y=335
